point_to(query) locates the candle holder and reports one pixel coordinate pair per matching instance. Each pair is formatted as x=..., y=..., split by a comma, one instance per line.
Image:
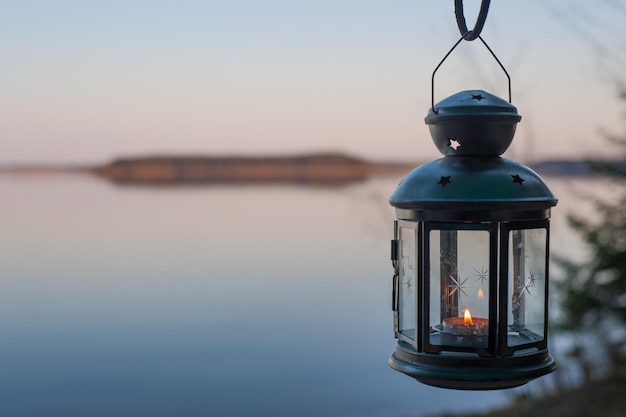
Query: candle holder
x=463, y=331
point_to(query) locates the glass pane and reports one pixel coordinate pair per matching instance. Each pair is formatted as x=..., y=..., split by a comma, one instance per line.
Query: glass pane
x=459, y=287
x=408, y=282
x=527, y=286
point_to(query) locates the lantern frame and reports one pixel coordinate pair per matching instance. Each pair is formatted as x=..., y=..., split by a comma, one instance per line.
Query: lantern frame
x=496, y=366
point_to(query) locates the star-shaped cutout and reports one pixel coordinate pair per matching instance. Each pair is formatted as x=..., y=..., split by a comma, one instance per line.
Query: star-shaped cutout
x=457, y=286
x=445, y=181
x=454, y=144
x=477, y=97
x=482, y=275
x=409, y=284
x=517, y=179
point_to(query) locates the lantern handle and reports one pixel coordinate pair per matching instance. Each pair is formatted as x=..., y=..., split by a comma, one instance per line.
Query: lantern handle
x=470, y=35
x=432, y=82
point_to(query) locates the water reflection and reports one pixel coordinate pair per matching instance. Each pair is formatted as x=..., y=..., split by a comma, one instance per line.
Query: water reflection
x=229, y=301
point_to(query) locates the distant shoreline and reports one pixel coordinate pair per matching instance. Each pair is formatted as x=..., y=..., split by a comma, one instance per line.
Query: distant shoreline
x=318, y=168
x=325, y=168
x=310, y=168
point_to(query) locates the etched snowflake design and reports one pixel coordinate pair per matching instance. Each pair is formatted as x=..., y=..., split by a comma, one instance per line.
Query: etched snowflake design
x=533, y=277
x=458, y=286
x=482, y=275
x=407, y=266
x=406, y=260
x=526, y=288
x=409, y=284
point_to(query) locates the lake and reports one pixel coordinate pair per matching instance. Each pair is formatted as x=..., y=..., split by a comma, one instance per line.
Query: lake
x=207, y=301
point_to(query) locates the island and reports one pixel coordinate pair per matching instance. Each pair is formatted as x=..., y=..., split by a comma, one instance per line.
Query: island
x=309, y=168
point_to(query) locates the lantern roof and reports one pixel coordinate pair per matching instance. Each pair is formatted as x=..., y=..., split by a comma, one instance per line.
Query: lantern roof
x=470, y=183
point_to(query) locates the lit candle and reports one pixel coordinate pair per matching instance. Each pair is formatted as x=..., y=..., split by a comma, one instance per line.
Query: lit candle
x=465, y=331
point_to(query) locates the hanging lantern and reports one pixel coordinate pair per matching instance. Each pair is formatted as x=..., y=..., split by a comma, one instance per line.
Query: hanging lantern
x=470, y=253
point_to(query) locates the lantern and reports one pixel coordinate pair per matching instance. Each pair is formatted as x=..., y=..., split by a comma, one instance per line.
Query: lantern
x=470, y=254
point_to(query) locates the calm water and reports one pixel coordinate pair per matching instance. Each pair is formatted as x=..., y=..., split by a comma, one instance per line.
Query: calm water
x=203, y=301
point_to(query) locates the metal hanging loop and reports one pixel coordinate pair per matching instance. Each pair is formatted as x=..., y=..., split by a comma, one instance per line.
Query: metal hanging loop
x=432, y=82
x=470, y=35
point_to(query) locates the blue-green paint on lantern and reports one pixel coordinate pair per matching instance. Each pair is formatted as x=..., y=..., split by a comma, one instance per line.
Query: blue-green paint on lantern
x=472, y=186
x=483, y=182
x=481, y=123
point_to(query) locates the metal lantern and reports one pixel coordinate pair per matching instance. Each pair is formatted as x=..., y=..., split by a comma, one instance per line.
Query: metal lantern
x=470, y=253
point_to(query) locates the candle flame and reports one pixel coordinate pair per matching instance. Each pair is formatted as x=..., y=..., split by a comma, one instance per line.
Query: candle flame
x=467, y=318
x=481, y=294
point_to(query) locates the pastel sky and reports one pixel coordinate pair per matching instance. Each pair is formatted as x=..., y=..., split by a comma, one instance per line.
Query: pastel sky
x=87, y=81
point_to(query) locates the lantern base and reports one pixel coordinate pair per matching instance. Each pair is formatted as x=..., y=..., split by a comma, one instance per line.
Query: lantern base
x=467, y=372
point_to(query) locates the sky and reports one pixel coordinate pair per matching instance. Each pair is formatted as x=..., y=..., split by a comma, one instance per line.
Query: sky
x=89, y=81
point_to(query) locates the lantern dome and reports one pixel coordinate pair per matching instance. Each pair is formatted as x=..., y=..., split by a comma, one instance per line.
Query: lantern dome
x=472, y=122
x=473, y=183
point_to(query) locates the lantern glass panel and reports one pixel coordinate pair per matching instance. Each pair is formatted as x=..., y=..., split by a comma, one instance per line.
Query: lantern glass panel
x=527, y=286
x=407, y=302
x=459, y=287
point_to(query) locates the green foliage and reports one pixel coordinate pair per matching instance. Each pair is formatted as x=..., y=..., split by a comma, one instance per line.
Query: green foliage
x=603, y=398
x=594, y=291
